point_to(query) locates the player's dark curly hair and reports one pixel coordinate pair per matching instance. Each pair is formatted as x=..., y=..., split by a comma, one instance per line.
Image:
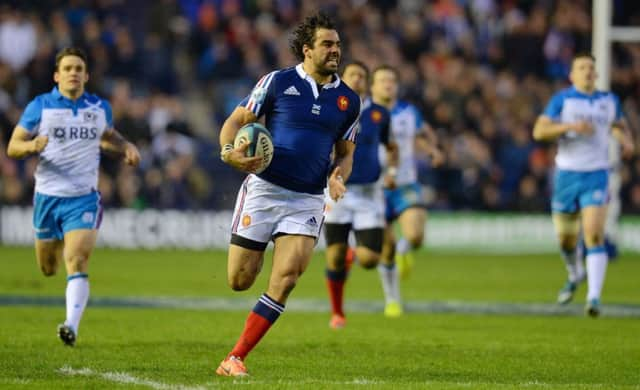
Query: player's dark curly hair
x=305, y=33
x=71, y=51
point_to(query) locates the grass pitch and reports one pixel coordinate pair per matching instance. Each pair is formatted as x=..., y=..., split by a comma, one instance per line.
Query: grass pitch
x=125, y=346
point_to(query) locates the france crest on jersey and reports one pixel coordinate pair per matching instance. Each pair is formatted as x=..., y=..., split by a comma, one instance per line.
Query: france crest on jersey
x=305, y=121
x=68, y=165
x=578, y=152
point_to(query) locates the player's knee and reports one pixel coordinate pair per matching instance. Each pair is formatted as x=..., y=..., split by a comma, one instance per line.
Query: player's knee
x=568, y=242
x=335, y=263
x=240, y=282
x=415, y=241
x=77, y=262
x=369, y=261
x=47, y=269
x=239, y=285
x=593, y=239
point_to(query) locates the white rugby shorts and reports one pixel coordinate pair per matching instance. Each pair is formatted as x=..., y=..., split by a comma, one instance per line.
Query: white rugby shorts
x=362, y=206
x=264, y=209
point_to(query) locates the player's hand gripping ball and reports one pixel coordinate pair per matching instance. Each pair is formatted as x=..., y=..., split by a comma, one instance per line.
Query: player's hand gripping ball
x=260, y=143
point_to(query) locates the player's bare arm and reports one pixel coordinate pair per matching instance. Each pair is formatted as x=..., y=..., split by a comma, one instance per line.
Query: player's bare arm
x=236, y=156
x=546, y=129
x=343, y=161
x=23, y=144
x=427, y=142
x=621, y=131
x=114, y=143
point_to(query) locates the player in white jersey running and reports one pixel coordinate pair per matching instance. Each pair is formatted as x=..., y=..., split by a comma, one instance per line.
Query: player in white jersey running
x=404, y=197
x=67, y=127
x=582, y=119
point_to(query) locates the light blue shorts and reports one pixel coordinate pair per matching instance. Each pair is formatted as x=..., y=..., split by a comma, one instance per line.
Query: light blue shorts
x=573, y=191
x=401, y=198
x=53, y=216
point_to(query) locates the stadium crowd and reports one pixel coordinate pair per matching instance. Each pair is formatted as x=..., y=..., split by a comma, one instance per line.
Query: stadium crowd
x=480, y=70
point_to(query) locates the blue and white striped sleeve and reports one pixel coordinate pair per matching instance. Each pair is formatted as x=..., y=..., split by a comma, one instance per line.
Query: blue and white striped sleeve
x=31, y=116
x=261, y=95
x=352, y=131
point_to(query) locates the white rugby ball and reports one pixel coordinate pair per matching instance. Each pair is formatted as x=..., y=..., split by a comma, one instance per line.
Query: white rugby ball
x=260, y=143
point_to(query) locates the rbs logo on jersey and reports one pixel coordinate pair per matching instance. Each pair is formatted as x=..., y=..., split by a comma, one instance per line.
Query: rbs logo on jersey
x=74, y=132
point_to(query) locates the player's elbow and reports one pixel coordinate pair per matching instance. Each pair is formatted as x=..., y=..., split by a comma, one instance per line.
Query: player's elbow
x=13, y=151
x=538, y=133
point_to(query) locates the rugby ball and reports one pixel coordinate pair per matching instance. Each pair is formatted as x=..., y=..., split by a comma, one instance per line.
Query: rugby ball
x=260, y=143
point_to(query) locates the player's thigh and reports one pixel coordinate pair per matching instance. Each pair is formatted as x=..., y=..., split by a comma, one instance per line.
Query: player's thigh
x=243, y=263
x=49, y=255
x=78, y=245
x=412, y=222
x=567, y=228
x=593, y=223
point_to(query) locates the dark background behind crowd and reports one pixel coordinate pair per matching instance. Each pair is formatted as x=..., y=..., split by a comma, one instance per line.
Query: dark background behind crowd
x=480, y=70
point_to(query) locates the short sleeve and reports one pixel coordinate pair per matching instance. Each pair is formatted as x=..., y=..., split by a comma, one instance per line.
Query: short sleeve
x=554, y=107
x=31, y=116
x=352, y=127
x=261, y=96
x=418, y=117
x=108, y=114
x=618, y=105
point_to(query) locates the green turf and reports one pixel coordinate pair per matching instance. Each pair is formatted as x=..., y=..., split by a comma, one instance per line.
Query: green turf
x=173, y=348
x=437, y=276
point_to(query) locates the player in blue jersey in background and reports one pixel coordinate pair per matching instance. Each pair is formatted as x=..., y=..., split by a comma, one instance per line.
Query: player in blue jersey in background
x=582, y=119
x=362, y=208
x=67, y=127
x=404, y=196
x=310, y=112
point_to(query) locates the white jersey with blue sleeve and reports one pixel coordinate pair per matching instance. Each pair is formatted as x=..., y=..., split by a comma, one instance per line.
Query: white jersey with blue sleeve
x=578, y=152
x=406, y=123
x=68, y=165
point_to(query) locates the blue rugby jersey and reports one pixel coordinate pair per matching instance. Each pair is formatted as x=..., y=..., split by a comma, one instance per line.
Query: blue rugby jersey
x=68, y=165
x=577, y=152
x=305, y=122
x=374, y=130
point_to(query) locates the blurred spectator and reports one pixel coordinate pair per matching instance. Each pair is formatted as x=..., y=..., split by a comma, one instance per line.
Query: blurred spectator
x=480, y=70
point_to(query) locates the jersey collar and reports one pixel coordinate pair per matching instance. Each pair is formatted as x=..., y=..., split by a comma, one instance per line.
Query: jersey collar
x=590, y=96
x=303, y=75
x=56, y=94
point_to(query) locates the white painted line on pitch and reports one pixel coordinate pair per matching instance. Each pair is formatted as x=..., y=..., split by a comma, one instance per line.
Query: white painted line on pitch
x=314, y=305
x=124, y=378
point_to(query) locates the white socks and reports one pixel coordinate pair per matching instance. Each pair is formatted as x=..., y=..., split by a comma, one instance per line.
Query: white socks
x=390, y=282
x=402, y=246
x=596, y=270
x=77, y=296
x=574, y=266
